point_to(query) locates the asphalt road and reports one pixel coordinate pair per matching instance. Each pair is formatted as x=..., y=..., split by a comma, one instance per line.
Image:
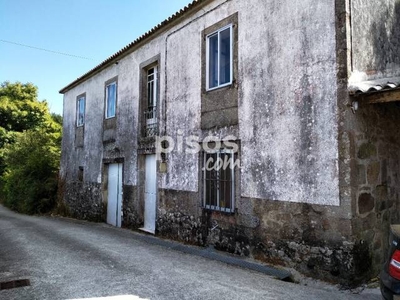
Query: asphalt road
x=67, y=259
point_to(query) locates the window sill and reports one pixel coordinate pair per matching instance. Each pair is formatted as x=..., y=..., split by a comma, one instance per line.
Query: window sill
x=219, y=87
x=219, y=210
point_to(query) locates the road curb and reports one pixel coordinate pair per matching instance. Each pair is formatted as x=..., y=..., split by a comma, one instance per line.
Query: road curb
x=210, y=253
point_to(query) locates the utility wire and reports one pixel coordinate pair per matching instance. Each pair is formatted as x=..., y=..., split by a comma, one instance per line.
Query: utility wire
x=47, y=50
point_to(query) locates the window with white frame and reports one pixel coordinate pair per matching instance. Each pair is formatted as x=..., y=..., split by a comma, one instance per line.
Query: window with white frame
x=80, y=111
x=218, y=176
x=219, y=58
x=111, y=99
x=151, y=102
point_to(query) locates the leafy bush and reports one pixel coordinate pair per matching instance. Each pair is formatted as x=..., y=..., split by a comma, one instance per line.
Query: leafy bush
x=30, y=139
x=31, y=173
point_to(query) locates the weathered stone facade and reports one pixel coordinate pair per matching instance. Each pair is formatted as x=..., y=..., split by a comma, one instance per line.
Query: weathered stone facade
x=84, y=200
x=318, y=184
x=131, y=216
x=307, y=237
x=376, y=141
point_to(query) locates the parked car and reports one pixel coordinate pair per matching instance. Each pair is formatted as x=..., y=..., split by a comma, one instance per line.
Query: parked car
x=390, y=275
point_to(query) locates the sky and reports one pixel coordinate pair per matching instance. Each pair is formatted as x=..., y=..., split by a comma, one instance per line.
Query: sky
x=93, y=29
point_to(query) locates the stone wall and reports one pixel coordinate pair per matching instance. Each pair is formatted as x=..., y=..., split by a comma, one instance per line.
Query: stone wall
x=179, y=217
x=368, y=138
x=132, y=216
x=84, y=200
x=377, y=156
x=316, y=240
x=313, y=239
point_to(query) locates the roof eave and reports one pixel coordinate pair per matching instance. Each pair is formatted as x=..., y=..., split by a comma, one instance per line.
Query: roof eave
x=374, y=86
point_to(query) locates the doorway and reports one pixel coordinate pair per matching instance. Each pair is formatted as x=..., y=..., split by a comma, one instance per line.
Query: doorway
x=150, y=194
x=114, y=204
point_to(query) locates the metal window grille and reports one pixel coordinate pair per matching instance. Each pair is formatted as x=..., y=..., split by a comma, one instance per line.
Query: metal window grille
x=219, y=187
x=150, y=114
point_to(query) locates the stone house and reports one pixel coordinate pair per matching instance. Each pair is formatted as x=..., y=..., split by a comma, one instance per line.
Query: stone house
x=302, y=94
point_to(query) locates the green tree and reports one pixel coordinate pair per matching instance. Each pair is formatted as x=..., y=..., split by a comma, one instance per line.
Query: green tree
x=19, y=110
x=57, y=118
x=19, y=107
x=30, y=139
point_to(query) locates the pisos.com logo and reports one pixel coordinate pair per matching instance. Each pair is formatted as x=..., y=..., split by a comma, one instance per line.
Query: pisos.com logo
x=217, y=154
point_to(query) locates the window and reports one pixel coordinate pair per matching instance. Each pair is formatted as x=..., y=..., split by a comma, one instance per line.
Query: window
x=219, y=180
x=111, y=99
x=150, y=111
x=80, y=111
x=219, y=74
x=219, y=58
